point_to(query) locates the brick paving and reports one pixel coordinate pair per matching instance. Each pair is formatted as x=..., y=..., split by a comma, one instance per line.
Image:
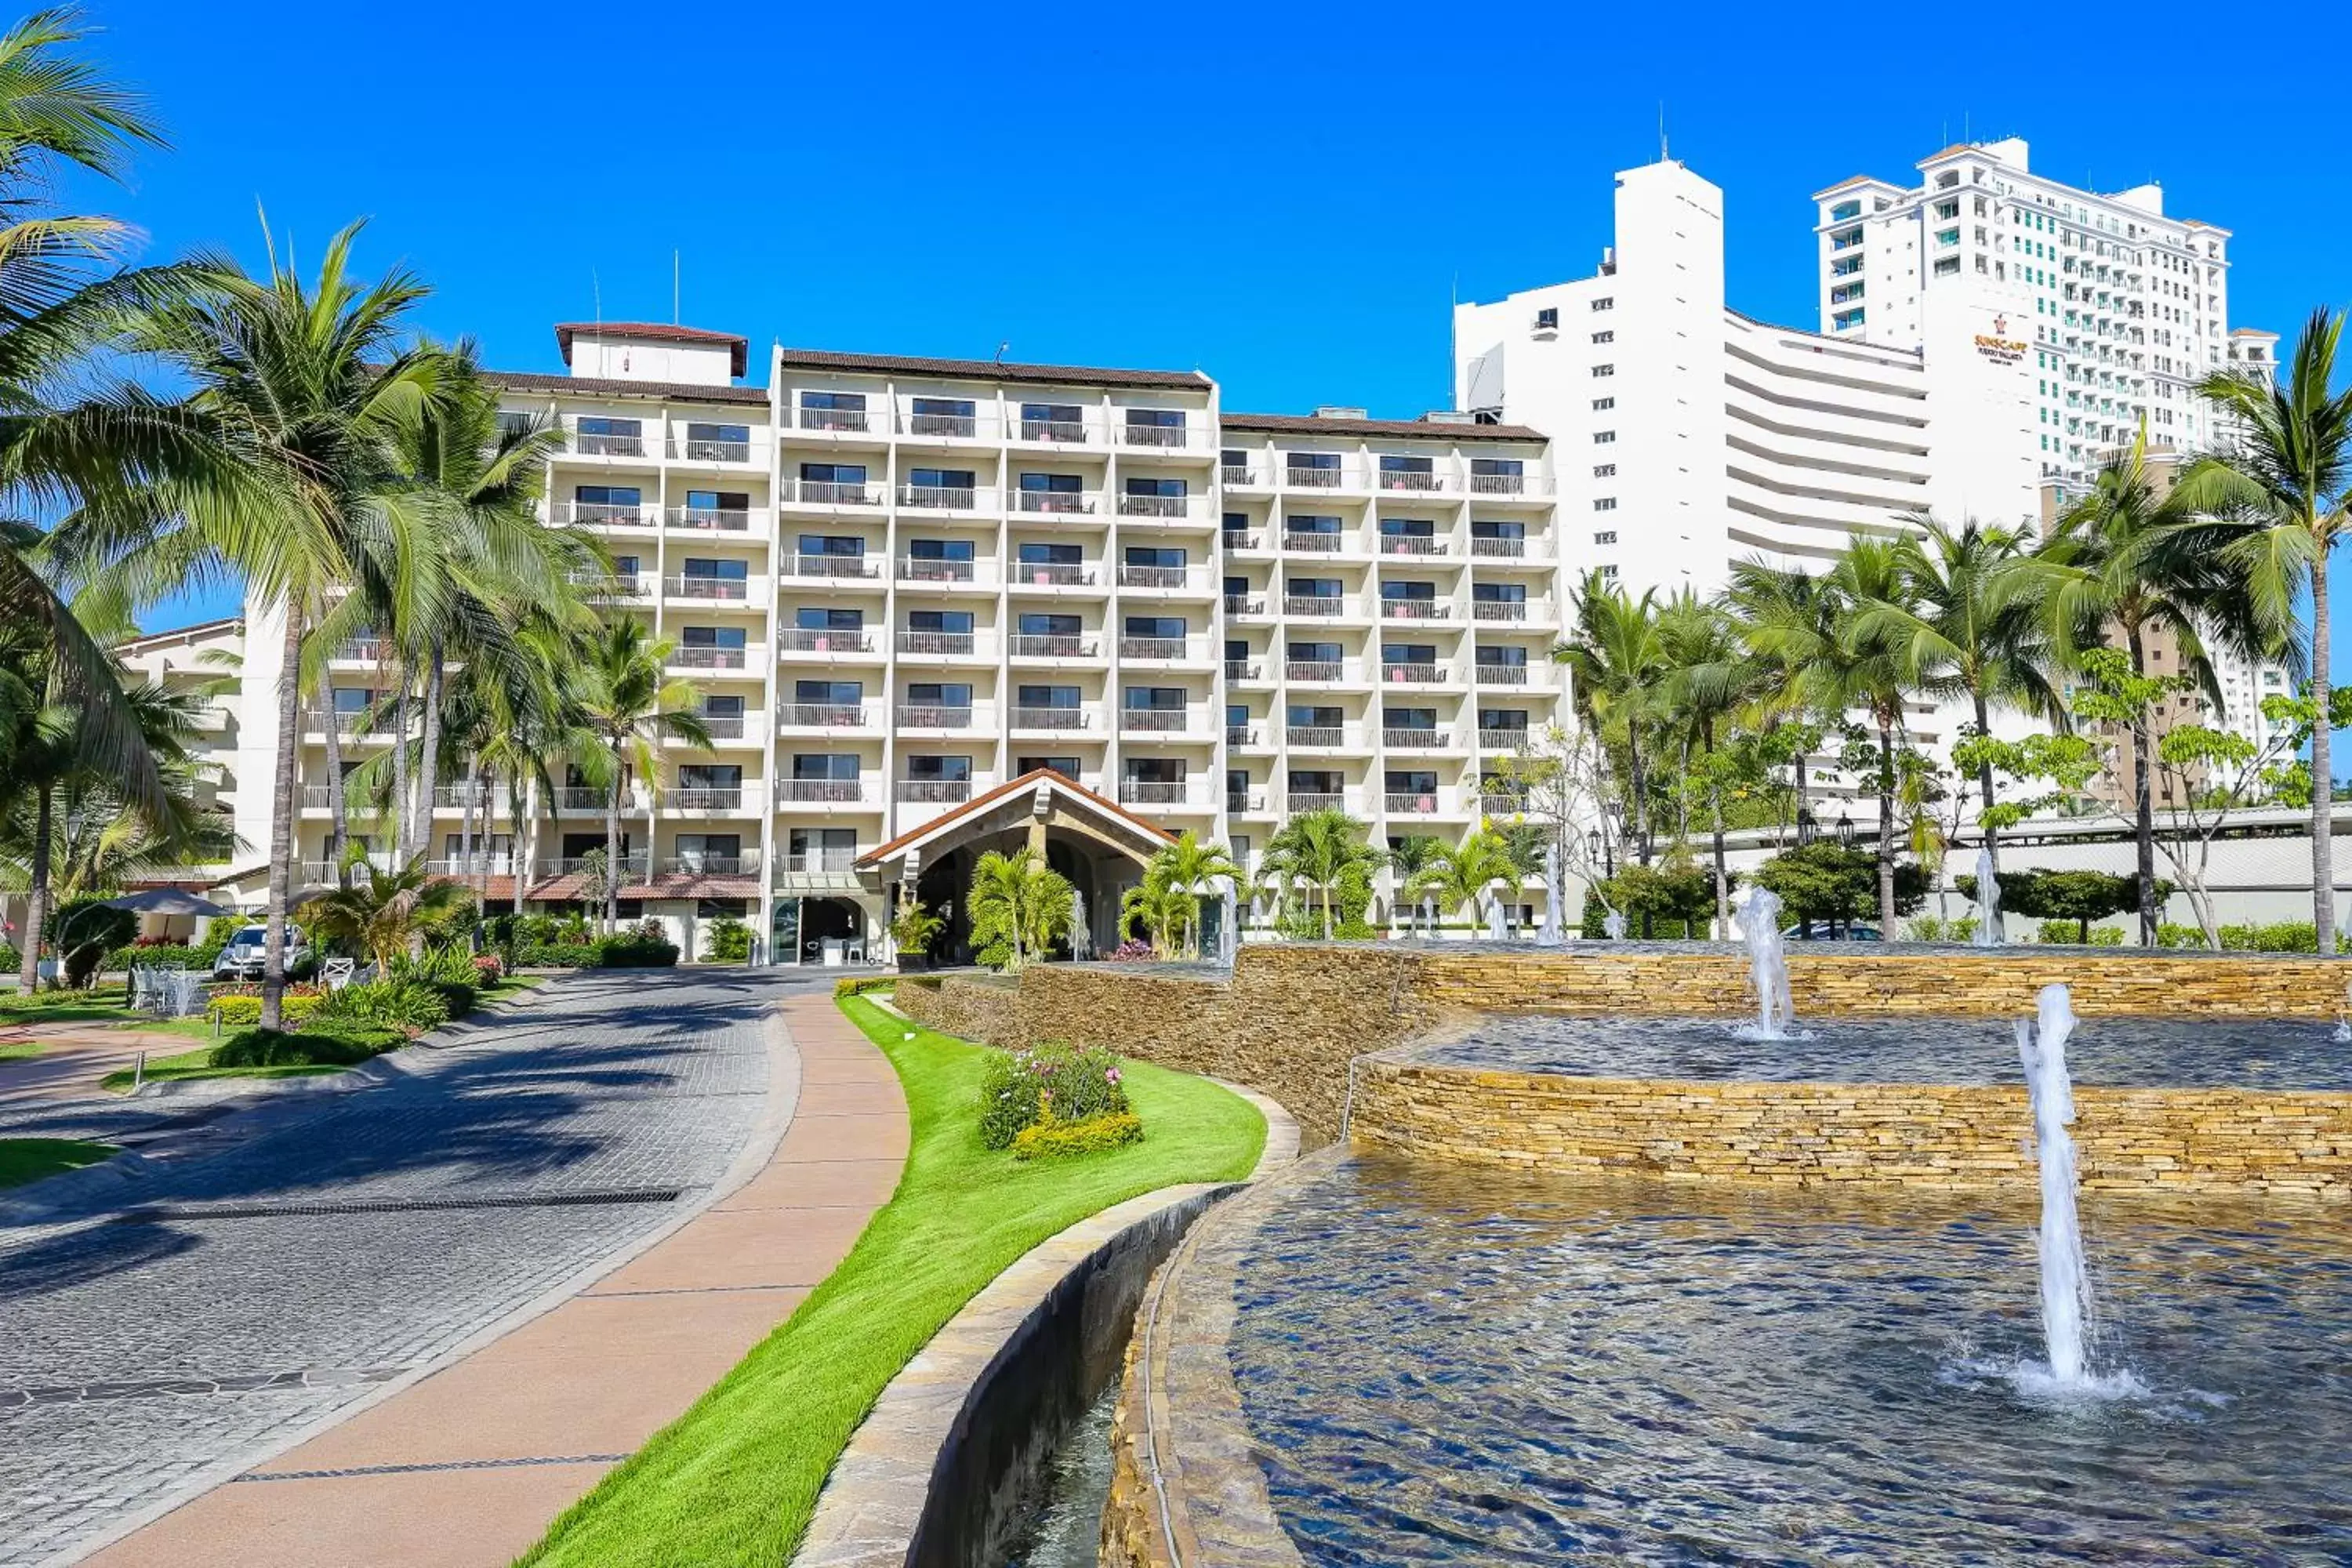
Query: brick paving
x=280, y=1273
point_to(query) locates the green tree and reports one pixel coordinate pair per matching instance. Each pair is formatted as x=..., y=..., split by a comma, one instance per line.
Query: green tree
x=1712, y=679
x=1790, y=621
x=1319, y=851
x=1875, y=673
x=1618, y=667
x=1019, y=907
x=624, y=697
x=1466, y=870
x=390, y=913
x=1826, y=882
x=1171, y=887
x=2276, y=498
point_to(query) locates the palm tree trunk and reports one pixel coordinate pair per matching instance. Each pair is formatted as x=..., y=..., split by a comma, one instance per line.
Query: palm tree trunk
x=2144, y=804
x=338, y=820
x=1984, y=778
x=1641, y=809
x=514, y=819
x=37, y=897
x=1714, y=811
x=613, y=849
x=2323, y=768
x=1886, y=831
x=1804, y=798
x=481, y=787
x=281, y=825
x=428, y=760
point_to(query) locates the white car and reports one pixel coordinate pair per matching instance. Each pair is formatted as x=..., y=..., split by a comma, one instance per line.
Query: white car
x=245, y=957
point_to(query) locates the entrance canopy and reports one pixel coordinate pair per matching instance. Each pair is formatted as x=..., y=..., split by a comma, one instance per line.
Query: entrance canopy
x=1035, y=802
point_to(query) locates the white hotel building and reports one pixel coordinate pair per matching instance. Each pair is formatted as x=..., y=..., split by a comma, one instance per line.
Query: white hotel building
x=920, y=599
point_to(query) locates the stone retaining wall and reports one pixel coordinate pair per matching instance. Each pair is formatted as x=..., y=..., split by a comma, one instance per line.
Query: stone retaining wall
x=2292, y=1144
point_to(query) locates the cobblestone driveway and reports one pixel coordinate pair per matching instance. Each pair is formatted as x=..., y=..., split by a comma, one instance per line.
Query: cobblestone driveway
x=288, y=1273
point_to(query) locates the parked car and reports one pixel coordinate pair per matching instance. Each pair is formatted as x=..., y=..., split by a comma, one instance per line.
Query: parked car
x=1824, y=931
x=245, y=956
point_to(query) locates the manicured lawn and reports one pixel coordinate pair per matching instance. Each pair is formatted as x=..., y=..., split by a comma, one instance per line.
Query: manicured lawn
x=26, y=1160
x=19, y=1051
x=198, y=1064
x=735, y=1479
x=102, y=1006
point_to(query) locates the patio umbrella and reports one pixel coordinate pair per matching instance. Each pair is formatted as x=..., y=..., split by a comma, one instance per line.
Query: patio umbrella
x=166, y=901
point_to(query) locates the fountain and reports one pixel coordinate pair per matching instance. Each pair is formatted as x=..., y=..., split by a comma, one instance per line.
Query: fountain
x=2065, y=1280
x=1987, y=900
x=1613, y=923
x=1759, y=927
x=1229, y=934
x=1497, y=924
x=1550, y=935
x=1082, y=935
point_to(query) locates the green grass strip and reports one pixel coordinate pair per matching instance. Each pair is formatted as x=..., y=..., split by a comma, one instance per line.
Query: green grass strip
x=26, y=1160
x=735, y=1479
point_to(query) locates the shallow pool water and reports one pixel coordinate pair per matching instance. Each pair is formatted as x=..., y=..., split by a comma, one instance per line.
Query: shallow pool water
x=2258, y=1053
x=1458, y=1364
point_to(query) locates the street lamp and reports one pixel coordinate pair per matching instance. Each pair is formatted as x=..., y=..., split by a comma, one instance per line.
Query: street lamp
x=1592, y=844
x=1804, y=826
x=1845, y=831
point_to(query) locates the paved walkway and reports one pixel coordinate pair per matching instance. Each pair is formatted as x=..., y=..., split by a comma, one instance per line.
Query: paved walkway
x=74, y=1056
x=274, y=1287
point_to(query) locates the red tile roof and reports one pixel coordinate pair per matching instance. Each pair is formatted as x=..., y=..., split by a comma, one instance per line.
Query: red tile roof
x=658, y=332
x=882, y=852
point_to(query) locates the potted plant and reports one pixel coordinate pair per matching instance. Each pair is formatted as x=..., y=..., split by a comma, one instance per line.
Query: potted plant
x=913, y=932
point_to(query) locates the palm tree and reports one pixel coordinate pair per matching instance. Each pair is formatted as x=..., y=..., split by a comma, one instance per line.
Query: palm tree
x=1711, y=677
x=1174, y=880
x=2278, y=486
x=389, y=913
x=1163, y=910
x=1790, y=623
x=1875, y=673
x=627, y=702
x=1319, y=849
x=1409, y=859
x=1464, y=872
x=1618, y=667
x=2122, y=564
x=1017, y=902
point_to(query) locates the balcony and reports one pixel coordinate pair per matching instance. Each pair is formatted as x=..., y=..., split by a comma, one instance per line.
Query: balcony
x=1311, y=543
x=1241, y=735
x=953, y=426
x=584, y=797
x=1499, y=485
x=1168, y=437
x=1151, y=792
x=743, y=863
x=710, y=520
x=1313, y=478
x=359, y=650
x=937, y=716
x=821, y=792
x=1314, y=669
x=1488, y=674
x=833, y=862
x=619, y=586
x=1393, y=609
x=1241, y=670
x=1245, y=800
x=1234, y=539
x=1414, y=544
x=1058, y=503
x=451, y=797
x=725, y=726
x=1053, y=574
x=1159, y=649
x=1155, y=720
x=1403, y=672
x=821, y=715
x=1231, y=475
x=1159, y=576
x=1414, y=803
x=1503, y=740
x=1417, y=480
x=1498, y=549
x=607, y=446
x=1314, y=604
x=1316, y=737
x=832, y=492
x=832, y=566
x=946, y=645
x=1299, y=800
x=829, y=640
x=1051, y=432
x=1053, y=645
x=735, y=589
x=1245, y=604
x=700, y=658
x=630, y=865
x=704, y=798
x=346, y=722
x=460, y=867
x=939, y=497
x=938, y=569
x=602, y=514
x=1413, y=740
x=1130, y=505
x=1495, y=610
x=935, y=791
x=1062, y=719
x=854, y=421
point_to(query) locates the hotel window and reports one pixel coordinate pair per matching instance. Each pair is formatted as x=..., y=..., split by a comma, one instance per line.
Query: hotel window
x=1602, y=405
x=1547, y=319
x=943, y=417
x=1604, y=370
x=1603, y=437
x=1605, y=503
x=1604, y=337
x=599, y=437
x=1604, y=471
x=1608, y=538
x=1604, y=303
x=1609, y=574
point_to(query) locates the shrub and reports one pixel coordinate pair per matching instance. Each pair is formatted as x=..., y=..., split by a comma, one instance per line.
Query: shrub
x=1053, y=1140
x=240, y=1009
x=637, y=950
x=556, y=955
x=1021, y=1089
x=406, y=1004
x=1134, y=951
x=1929, y=928
x=487, y=969
x=860, y=985
x=916, y=929
x=730, y=941
x=306, y=1047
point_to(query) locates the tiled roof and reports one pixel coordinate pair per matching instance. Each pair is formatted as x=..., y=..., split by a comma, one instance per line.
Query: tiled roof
x=1847, y=184
x=990, y=370
x=1418, y=429
x=594, y=386
x=658, y=332
x=978, y=804
x=1955, y=148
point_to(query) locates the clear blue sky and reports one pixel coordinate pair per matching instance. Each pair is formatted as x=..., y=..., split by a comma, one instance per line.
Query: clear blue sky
x=1282, y=197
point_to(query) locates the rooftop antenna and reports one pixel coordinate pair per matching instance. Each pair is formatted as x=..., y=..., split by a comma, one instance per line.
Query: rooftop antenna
x=1001, y=348
x=596, y=292
x=674, y=318
x=1662, y=130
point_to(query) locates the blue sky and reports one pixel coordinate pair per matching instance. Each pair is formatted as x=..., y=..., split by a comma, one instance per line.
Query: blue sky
x=1283, y=197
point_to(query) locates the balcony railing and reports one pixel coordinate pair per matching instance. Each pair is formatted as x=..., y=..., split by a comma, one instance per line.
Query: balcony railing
x=1240, y=735
x=1412, y=803
x=1398, y=671
x=1053, y=645
x=1411, y=544
x=1051, y=718
x=584, y=797
x=346, y=722
x=619, y=586
x=1412, y=740
x=1173, y=437
x=833, y=492
x=1235, y=539
x=704, y=798
x=1314, y=800
x=1154, y=576
x=711, y=520
x=480, y=865
x=456, y=797
x=938, y=642
x=829, y=640
x=1132, y=505
x=1498, y=484
x=590, y=446
x=1498, y=549
x=629, y=865
x=722, y=726
x=708, y=657
x=852, y=419
x=605, y=514
x=1155, y=720
x=830, y=862
x=935, y=716
x=1313, y=669
x=1410, y=479
x=1245, y=800
x=1245, y=604
x=1151, y=792
x=822, y=715
x=1053, y=574
x=1325, y=735
x=935, y=791
x=711, y=449
x=1500, y=674
x=359, y=650
x=1313, y=543
x=833, y=566
x=1498, y=609
x=1312, y=479
x=821, y=791
x=1501, y=740
x=1065, y=432
x=695, y=587
x=1241, y=670
x=1231, y=475
x=1313, y=605
x=965, y=425
x=1393, y=609
x=937, y=569
x=1056, y=502
x=943, y=498
x=1152, y=648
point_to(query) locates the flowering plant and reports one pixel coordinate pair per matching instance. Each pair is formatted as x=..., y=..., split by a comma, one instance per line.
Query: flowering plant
x=1046, y=1083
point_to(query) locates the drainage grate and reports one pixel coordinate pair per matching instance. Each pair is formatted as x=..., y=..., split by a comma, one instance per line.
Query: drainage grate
x=158, y=1212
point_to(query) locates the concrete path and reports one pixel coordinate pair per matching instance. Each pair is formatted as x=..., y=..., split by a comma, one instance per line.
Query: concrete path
x=74, y=1056
x=263, y=1293
x=468, y=1467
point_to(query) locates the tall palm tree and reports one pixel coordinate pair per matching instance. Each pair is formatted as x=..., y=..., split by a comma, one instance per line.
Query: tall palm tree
x=2279, y=489
x=627, y=702
x=1711, y=677
x=1874, y=674
x=1789, y=622
x=1018, y=901
x=1409, y=859
x=1618, y=669
x=1174, y=878
x=1970, y=627
x=1466, y=870
x=1318, y=850
x=2120, y=564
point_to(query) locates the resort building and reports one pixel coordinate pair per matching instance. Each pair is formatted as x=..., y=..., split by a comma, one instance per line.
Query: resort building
x=925, y=601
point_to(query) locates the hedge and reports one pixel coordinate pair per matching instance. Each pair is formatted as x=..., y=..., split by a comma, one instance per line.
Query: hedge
x=337, y=1045
x=607, y=952
x=239, y=1010
x=1051, y=1140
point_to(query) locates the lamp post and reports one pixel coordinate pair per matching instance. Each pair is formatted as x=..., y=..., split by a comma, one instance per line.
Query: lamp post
x=1845, y=831
x=1804, y=826
x=1615, y=812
